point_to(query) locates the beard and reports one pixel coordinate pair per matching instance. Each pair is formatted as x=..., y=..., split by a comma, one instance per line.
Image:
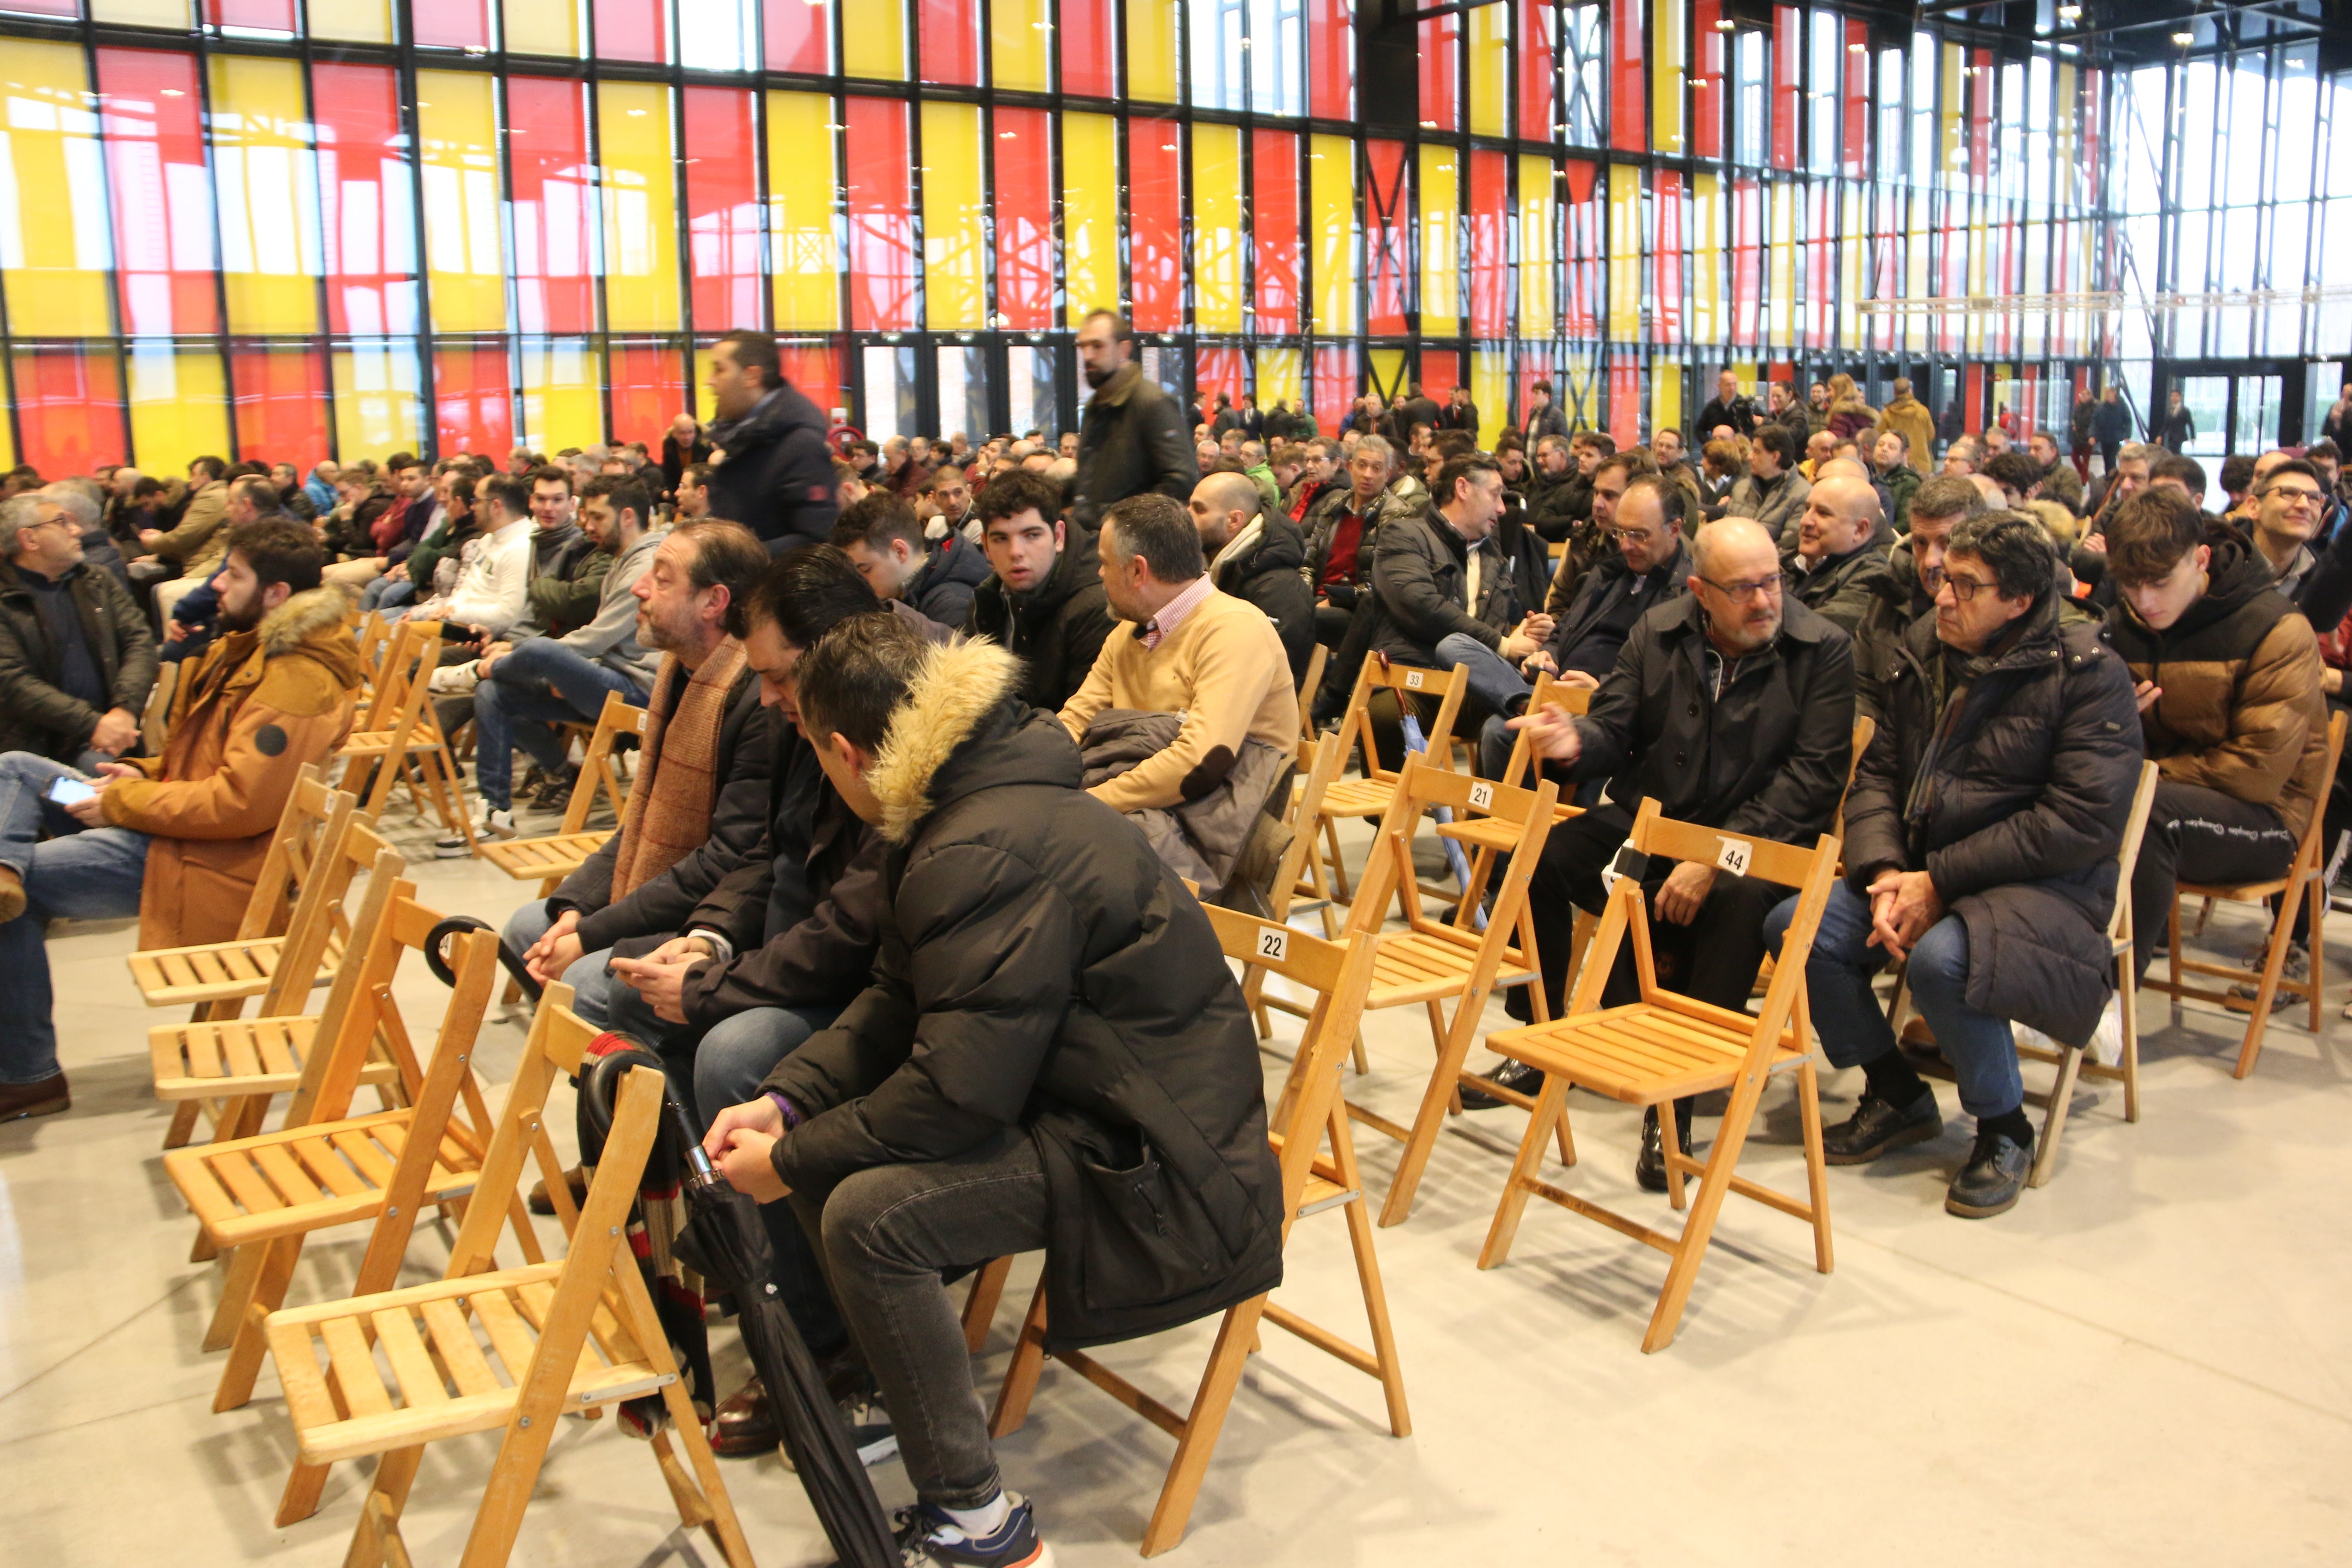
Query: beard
x=243, y=619
x=1096, y=378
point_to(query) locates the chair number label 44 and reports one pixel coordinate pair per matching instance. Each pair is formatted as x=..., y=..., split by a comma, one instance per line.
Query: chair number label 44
x=1482, y=795
x=1734, y=856
x=1412, y=681
x=1274, y=945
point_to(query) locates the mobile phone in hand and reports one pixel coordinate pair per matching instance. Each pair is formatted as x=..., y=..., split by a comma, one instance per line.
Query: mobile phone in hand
x=70, y=791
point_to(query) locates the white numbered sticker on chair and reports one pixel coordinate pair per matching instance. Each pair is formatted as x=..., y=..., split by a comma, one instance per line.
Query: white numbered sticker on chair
x=1412, y=681
x=1482, y=795
x=1274, y=945
x=1734, y=856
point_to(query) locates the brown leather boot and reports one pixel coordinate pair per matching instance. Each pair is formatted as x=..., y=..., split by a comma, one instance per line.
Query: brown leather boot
x=543, y=1203
x=12, y=894
x=45, y=1097
x=747, y=1425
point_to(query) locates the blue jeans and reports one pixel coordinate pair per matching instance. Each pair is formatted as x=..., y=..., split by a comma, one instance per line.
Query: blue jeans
x=591, y=981
x=80, y=873
x=1496, y=692
x=1852, y=1025
x=386, y=593
x=516, y=706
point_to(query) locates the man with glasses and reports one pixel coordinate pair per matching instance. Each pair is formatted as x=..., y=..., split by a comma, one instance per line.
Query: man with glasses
x=1981, y=837
x=76, y=660
x=1731, y=706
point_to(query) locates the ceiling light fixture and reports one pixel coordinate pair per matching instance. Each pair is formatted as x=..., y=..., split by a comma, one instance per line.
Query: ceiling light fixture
x=2184, y=39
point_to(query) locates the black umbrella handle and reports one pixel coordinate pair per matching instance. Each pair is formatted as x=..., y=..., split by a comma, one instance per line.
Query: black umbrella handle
x=438, y=962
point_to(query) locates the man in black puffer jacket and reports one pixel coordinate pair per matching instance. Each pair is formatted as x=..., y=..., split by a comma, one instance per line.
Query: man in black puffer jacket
x=1052, y=1055
x=777, y=477
x=1980, y=837
x=1257, y=556
x=1043, y=599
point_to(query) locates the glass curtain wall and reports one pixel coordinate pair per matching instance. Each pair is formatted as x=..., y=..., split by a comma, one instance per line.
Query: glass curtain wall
x=300, y=228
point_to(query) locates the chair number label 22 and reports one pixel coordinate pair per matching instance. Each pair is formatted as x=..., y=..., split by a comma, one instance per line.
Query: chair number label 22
x=1482, y=795
x=1734, y=856
x=1272, y=945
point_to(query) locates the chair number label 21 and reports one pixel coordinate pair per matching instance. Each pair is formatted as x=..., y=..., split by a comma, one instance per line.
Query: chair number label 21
x=1734, y=856
x=1272, y=945
x=1482, y=796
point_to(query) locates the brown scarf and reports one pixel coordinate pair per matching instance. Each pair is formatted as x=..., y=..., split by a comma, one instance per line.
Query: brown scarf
x=668, y=812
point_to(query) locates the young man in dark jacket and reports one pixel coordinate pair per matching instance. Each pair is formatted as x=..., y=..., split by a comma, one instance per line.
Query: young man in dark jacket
x=776, y=478
x=1052, y=1055
x=1044, y=600
x=1981, y=837
x=1131, y=435
x=885, y=540
x=1450, y=573
x=76, y=660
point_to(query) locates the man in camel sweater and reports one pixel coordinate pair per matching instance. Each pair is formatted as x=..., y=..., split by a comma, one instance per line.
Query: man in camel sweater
x=1213, y=660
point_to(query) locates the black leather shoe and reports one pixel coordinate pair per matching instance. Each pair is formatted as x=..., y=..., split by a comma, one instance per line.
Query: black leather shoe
x=1650, y=1168
x=1517, y=1076
x=1991, y=1182
x=1877, y=1127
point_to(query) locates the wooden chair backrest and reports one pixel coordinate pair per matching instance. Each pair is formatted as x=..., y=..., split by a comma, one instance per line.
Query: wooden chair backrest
x=319, y=915
x=1378, y=673
x=1388, y=869
x=619, y=718
x=368, y=962
x=313, y=818
x=374, y=636
x=2119, y=923
x=1549, y=691
x=1865, y=729
x=558, y=1043
x=397, y=708
x=1309, y=685
x=2309, y=855
x=155, y=718
x=1319, y=763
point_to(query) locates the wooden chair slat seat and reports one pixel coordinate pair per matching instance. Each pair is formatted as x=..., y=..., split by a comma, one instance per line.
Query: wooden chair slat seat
x=550, y=857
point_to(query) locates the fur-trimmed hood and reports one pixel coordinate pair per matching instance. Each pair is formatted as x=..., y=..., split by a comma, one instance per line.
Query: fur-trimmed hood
x=286, y=628
x=968, y=688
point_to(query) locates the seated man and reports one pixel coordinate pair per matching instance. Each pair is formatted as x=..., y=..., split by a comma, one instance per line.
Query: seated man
x=1979, y=845
x=1257, y=556
x=568, y=562
x=526, y=688
x=492, y=586
x=177, y=839
x=1049, y=1007
x=1838, y=556
x=1594, y=539
x=77, y=661
x=885, y=539
x=1342, y=529
x=1731, y=706
x=1043, y=599
x=686, y=826
x=1773, y=492
x=2060, y=482
x=1915, y=577
x=1206, y=670
x=2228, y=677
x=2289, y=501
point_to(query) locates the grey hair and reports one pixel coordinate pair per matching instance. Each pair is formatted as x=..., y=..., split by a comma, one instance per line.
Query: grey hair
x=18, y=513
x=70, y=498
x=1379, y=446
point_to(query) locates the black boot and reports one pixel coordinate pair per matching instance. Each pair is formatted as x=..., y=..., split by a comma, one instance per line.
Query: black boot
x=1517, y=1076
x=1994, y=1177
x=1877, y=1126
x=1650, y=1169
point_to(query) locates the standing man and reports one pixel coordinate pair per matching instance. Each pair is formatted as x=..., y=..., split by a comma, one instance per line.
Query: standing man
x=2112, y=424
x=1906, y=415
x=2178, y=427
x=1542, y=419
x=772, y=471
x=1131, y=437
x=1727, y=407
x=1459, y=413
x=2080, y=435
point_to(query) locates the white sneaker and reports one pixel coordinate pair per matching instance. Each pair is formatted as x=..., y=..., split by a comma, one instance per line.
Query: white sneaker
x=2106, y=1047
x=2027, y=1035
x=455, y=679
x=494, y=824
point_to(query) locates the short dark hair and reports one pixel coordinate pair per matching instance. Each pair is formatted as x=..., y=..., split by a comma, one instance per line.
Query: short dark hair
x=877, y=518
x=1458, y=469
x=1451, y=444
x=280, y=550
x=256, y=488
x=1674, y=501
x=1600, y=441
x=508, y=490
x=1634, y=461
x=2237, y=473
x=1121, y=329
x=212, y=468
x=550, y=474
x=853, y=682
x=755, y=351
x=698, y=475
x=2017, y=550
x=2150, y=533
x=2296, y=466
x=2327, y=449
x=726, y=555
x=1778, y=440
x=1014, y=492
x=805, y=593
x=1539, y=385
x=1160, y=530
x=2173, y=466
x=2013, y=472
x=628, y=494
x=1946, y=495
x=398, y=462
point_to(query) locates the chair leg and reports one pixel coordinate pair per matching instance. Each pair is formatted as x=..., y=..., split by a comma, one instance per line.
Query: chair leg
x=2318, y=913
x=1441, y=1099
x=1817, y=1173
x=1550, y=1104
x=1671, y=1144
x=980, y=1307
x=2274, y=962
x=1201, y=1427
x=1368, y=1275
x=376, y=1540
x=718, y=1509
x=2053, y=1125
x=237, y=1292
x=184, y=1124
x=1730, y=1139
x=251, y=1347
x=1021, y=1377
x=304, y=1486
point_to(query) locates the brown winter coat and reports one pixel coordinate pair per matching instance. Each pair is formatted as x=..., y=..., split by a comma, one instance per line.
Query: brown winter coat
x=256, y=707
x=1909, y=417
x=198, y=540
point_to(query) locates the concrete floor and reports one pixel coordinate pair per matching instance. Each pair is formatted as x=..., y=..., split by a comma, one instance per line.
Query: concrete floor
x=2148, y=1361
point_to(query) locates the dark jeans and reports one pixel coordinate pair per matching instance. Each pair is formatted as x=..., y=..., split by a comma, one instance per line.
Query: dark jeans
x=887, y=1236
x=2200, y=835
x=530, y=690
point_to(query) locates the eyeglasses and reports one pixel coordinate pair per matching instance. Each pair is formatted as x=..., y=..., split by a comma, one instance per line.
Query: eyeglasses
x=1965, y=588
x=1630, y=535
x=2296, y=495
x=1760, y=587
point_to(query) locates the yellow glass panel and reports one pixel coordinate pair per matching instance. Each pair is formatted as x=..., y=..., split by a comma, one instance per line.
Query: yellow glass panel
x=465, y=247
x=56, y=244
x=640, y=207
x=1018, y=46
x=1953, y=164
x=874, y=39
x=1779, y=308
x=1331, y=187
x=1490, y=71
x=1979, y=248
x=955, y=242
x=1709, y=243
x=2068, y=185
x=803, y=252
x=1217, y=228
x=1624, y=253
x=267, y=190
x=545, y=27
x=1387, y=370
x=1152, y=50
x=377, y=409
x=7, y=447
x=178, y=405
x=1277, y=377
x=362, y=21
x=562, y=403
x=1089, y=212
x=1538, y=250
x=1666, y=77
x=1490, y=389
x=1665, y=396
x=1441, y=227
x=171, y=13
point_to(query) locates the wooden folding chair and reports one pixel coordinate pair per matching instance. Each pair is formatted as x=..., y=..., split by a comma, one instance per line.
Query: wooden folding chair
x=1483, y=837
x=397, y=738
x=1370, y=796
x=1668, y=1046
x=1301, y=871
x=2305, y=881
x=373, y=634
x=155, y=718
x=505, y=1349
x=2070, y=1058
x=1309, y=685
x=1340, y=974
x=548, y=861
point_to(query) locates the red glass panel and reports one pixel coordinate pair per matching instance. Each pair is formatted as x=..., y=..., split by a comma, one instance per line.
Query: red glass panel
x=162, y=191
x=1155, y=250
x=1334, y=389
x=796, y=36
x=1331, y=59
x=1089, y=49
x=451, y=24
x=554, y=205
x=1746, y=259
x=1579, y=312
x=1441, y=373
x=630, y=30
x=1628, y=98
x=1668, y=249
x=1273, y=227
x=1023, y=184
x=1972, y=409
x=1490, y=244
x=722, y=208
x=816, y=370
x=1857, y=99
x=281, y=395
x=472, y=400
x=47, y=8
x=1537, y=48
x=648, y=391
x=365, y=204
x=271, y=16
x=1710, y=101
x=1441, y=73
x=1625, y=401
x=1980, y=96
x=949, y=41
x=1216, y=370
x=1388, y=227
x=1788, y=82
x=68, y=410
x=881, y=234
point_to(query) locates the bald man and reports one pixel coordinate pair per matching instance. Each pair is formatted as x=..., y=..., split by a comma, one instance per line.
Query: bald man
x=1836, y=563
x=1258, y=556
